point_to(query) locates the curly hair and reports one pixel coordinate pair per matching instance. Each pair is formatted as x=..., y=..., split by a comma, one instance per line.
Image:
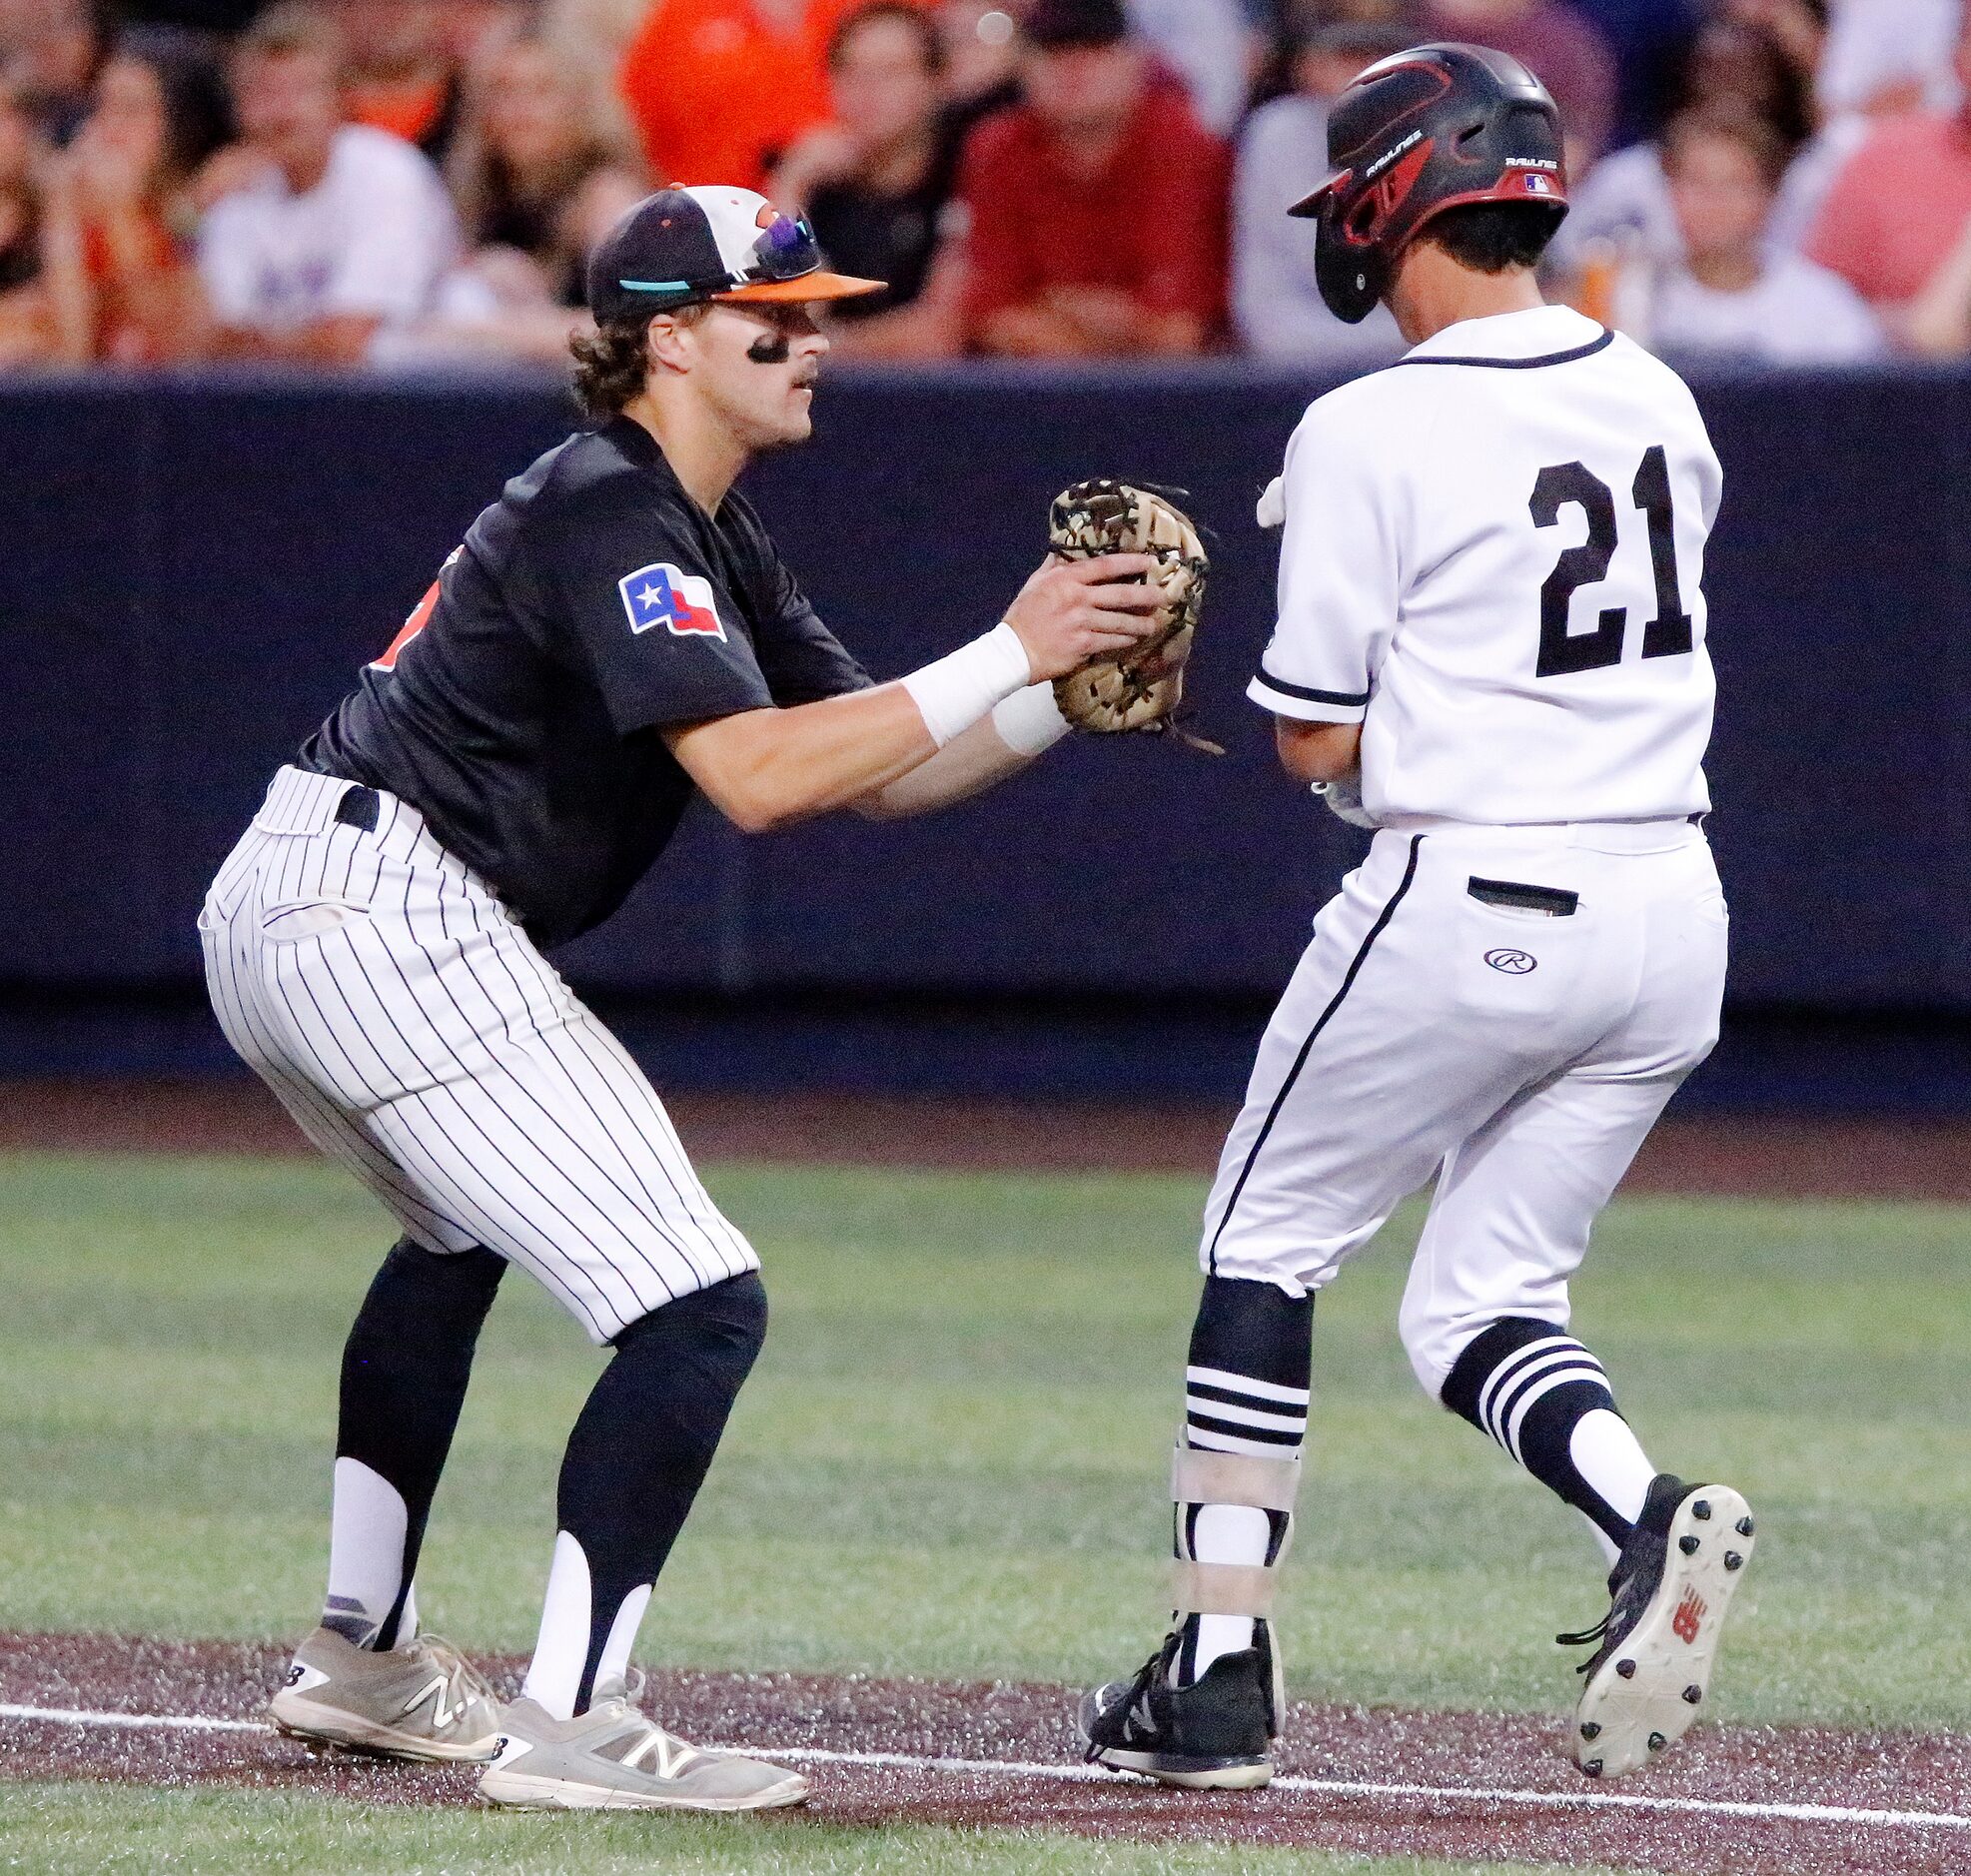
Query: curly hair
x=613, y=362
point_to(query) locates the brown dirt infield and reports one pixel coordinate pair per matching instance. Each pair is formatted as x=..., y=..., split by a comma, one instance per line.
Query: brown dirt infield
x=1706, y=1154
x=1442, y=1756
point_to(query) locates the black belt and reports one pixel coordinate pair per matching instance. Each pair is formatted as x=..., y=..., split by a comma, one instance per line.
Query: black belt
x=359, y=807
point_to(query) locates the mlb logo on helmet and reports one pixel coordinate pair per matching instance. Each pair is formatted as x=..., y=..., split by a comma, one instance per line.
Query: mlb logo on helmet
x=666, y=595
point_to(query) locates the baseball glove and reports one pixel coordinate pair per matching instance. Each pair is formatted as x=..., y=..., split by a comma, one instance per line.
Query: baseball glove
x=1139, y=688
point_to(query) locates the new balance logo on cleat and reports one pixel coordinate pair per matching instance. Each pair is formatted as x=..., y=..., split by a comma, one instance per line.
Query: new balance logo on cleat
x=443, y=1712
x=1689, y=1617
x=662, y=1755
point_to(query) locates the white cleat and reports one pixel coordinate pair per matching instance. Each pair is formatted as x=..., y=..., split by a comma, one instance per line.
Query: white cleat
x=614, y=1757
x=423, y=1702
x=1673, y=1588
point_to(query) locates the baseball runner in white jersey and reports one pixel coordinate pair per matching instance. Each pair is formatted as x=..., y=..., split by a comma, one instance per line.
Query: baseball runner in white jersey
x=1490, y=648
x=615, y=634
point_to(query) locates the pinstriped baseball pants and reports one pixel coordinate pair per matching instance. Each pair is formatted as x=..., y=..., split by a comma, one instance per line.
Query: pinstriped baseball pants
x=417, y=1036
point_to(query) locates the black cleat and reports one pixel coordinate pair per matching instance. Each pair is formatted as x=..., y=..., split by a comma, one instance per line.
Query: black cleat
x=1213, y=1735
x=1659, y=1640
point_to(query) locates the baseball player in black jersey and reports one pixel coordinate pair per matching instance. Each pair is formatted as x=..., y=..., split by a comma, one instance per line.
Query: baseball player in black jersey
x=615, y=634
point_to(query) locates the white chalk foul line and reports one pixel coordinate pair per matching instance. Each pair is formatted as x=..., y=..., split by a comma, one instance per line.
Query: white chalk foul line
x=1091, y=1774
x=169, y=1723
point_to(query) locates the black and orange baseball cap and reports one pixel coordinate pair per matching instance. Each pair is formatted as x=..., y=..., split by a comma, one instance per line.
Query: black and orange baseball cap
x=709, y=242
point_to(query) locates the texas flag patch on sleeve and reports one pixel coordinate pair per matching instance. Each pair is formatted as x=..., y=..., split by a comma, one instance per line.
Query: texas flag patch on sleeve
x=666, y=595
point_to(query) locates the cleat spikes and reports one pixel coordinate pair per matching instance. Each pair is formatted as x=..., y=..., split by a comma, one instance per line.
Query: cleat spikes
x=1670, y=1594
x=1743, y=1528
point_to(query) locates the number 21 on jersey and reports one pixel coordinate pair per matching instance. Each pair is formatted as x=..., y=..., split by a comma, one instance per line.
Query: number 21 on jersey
x=1574, y=484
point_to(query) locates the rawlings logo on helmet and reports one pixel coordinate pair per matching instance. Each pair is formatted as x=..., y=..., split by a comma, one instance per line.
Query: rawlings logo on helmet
x=1387, y=157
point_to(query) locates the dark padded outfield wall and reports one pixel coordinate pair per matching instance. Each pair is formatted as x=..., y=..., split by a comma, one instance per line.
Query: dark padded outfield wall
x=192, y=568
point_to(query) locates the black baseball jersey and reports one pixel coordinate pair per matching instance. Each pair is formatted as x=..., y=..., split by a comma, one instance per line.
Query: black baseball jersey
x=522, y=705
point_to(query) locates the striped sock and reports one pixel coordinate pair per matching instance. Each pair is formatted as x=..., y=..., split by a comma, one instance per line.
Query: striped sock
x=1246, y=1390
x=1546, y=1399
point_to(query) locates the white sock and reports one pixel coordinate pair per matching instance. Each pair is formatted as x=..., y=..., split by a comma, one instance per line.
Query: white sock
x=1607, y=1455
x=555, y=1673
x=407, y=1623
x=613, y=1663
x=554, y=1676
x=1227, y=1533
x=365, y=1556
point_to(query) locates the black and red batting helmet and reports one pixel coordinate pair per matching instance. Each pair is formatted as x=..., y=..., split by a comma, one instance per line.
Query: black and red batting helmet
x=1423, y=131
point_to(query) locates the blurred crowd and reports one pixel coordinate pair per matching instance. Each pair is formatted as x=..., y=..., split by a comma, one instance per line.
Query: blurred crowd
x=383, y=181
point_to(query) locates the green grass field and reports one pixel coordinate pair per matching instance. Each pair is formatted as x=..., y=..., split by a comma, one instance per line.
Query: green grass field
x=950, y=1462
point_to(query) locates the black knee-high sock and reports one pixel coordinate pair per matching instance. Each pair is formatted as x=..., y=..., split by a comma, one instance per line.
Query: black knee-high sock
x=404, y=1371
x=645, y=1441
x=1547, y=1400
x=1246, y=1390
x=1255, y=1333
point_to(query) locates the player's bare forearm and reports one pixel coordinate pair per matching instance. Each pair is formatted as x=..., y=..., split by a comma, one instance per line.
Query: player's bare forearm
x=764, y=769
x=1317, y=752
x=967, y=765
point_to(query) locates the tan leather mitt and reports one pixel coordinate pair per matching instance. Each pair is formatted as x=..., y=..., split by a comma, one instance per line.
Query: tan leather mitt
x=1140, y=688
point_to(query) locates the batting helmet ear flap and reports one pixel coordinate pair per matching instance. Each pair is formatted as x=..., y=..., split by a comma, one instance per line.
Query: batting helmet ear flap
x=1352, y=273
x=1347, y=269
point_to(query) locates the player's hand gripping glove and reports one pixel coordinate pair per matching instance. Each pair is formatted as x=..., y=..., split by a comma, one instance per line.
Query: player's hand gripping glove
x=1139, y=688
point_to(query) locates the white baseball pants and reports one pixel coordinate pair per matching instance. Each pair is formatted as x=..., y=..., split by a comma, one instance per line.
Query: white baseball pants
x=414, y=1033
x=1442, y=1022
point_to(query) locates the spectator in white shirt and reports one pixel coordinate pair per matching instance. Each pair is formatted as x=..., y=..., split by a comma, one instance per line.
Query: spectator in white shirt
x=338, y=235
x=1276, y=306
x=1730, y=295
x=1884, y=58
x=1209, y=45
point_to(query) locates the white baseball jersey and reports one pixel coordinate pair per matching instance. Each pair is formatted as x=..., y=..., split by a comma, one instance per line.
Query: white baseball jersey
x=1492, y=559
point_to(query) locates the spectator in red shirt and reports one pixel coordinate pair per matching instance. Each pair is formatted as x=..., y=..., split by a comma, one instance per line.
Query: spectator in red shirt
x=1902, y=204
x=1096, y=210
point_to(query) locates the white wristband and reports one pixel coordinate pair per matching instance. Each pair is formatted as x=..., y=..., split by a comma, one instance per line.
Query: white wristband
x=1030, y=722
x=956, y=690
